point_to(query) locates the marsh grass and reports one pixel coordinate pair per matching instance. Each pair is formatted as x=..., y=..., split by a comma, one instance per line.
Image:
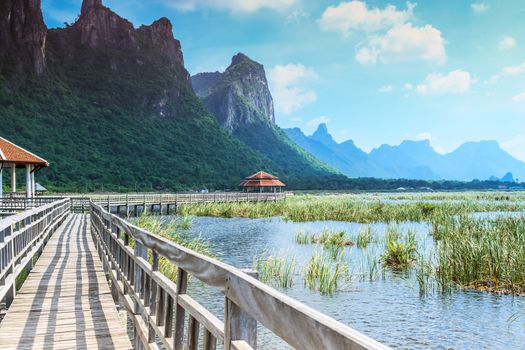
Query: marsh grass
x=356, y=208
x=400, y=250
x=327, y=237
x=275, y=270
x=364, y=236
x=483, y=254
x=324, y=274
x=173, y=231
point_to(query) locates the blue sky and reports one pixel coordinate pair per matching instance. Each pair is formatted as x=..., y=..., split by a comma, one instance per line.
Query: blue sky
x=375, y=71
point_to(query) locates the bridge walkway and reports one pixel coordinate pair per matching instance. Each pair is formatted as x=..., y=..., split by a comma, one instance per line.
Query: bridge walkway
x=65, y=303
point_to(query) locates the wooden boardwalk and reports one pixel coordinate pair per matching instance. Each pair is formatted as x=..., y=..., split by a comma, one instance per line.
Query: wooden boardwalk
x=65, y=303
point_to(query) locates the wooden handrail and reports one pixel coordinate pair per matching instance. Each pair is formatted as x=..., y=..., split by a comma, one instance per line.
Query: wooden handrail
x=22, y=236
x=158, y=306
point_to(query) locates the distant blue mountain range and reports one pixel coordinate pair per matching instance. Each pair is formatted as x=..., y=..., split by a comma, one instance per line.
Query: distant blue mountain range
x=411, y=159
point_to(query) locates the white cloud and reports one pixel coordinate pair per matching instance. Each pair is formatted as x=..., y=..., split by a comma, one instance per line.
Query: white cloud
x=230, y=5
x=318, y=120
x=479, y=7
x=386, y=89
x=286, y=86
x=507, y=43
x=455, y=82
x=404, y=43
x=508, y=71
x=519, y=97
x=356, y=16
x=408, y=87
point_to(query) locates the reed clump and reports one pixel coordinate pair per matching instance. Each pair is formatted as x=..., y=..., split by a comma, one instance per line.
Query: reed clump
x=326, y=238
x=484, y=254
x=275, y=270
x=324, y=274
x=400, y=250
x=364, y=237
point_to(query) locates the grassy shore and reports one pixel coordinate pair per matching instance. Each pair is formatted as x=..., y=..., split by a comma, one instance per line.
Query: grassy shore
x=358, y=208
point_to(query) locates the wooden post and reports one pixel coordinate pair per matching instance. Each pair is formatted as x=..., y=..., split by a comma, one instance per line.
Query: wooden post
x=238, y=325
x=28, y=181
x=140, y=251
x=1, y=182
x=33, y=186
x=153, y=295
x=182, y=284
x=13, y=177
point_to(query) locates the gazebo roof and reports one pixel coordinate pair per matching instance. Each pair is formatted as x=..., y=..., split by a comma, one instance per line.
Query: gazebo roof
x=11, y=153
x=261, y=175
x=262, y=179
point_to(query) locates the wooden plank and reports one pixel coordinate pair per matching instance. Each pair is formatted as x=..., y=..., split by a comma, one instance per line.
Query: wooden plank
x=65, y=303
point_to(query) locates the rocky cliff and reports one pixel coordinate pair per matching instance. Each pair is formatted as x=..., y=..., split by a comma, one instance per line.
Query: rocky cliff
x=22, y=37
x=237, y=97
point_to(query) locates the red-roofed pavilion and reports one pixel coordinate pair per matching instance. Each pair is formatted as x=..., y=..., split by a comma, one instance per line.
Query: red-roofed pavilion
x=13, y=157
x=262, y=182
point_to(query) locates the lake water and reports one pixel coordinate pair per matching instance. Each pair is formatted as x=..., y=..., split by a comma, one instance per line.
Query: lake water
x=389, y=309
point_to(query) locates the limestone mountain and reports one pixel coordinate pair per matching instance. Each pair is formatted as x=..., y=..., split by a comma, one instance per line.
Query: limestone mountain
x=112, y=107
x=237, y=97
x=241, y=101
x=411, y=159
x=346, y=157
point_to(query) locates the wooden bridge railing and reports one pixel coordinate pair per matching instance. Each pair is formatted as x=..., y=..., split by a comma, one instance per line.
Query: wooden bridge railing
x=22, y=236
x=23, y=203
x=160, y=200
x=158, y=307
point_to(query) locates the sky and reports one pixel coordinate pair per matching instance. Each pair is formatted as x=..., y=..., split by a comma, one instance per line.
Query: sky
x=374, y=71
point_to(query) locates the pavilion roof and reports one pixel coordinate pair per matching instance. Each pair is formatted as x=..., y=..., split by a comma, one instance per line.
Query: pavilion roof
x=262, y=179
x=262, y=175
x=11, y=153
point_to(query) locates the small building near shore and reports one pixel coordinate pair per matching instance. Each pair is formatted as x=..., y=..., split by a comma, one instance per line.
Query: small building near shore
x=262, y=182
x=15, y=157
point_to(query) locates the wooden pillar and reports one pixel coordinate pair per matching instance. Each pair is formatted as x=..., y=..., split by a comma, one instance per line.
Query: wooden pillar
x=33, y=185
x=29, y=194
x=1, y=181
x=13, y=177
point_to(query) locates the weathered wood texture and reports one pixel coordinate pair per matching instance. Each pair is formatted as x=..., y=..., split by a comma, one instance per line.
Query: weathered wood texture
x=66, y=302
x=158, y=306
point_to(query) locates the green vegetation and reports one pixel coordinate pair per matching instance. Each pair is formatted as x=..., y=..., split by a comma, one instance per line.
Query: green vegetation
x=364, y=237
x=400, y=250
x=275, y=270
x=347, y=207
x=486, y=254
x=326, y=238
x=325, y=274
x=172, y=230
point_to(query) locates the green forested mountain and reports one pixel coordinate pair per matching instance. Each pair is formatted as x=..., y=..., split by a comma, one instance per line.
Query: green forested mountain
x=112, y=107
